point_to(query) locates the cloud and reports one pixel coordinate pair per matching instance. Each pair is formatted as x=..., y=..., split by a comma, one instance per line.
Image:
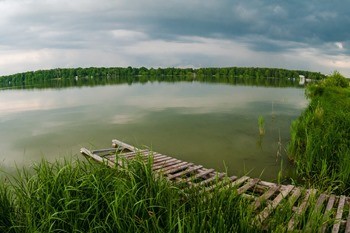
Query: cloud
x=49, y=34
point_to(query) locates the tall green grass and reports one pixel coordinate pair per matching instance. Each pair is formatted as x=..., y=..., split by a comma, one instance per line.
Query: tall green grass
x=320, y=138
x=87, y=197
x=79, y=196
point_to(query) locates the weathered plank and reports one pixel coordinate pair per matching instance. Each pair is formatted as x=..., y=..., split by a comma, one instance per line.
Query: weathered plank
x=267, y=211
x=320, y=201
x=317, y=209
x=347, y=226
x=267, y=184
x=161, y=159
x=116, y=143
x=265, y=196
x=247, y=186
x=162, y=166
x=185, y=172
x=104, y=150
x=238, y=182
x=132, y=154
x=175, y=168
x=158, y=157
x=330, y=204
x=296, y=193
x=97, y=158
x=301, y=209
x=339, y=214
x=196, y=176
x=215, y=177
x=220, y=183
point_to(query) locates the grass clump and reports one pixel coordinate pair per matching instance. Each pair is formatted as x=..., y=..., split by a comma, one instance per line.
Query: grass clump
x=320, y=137
x=86, y=197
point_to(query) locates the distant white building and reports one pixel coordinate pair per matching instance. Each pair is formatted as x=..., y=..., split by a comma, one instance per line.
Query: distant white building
x=303, y=80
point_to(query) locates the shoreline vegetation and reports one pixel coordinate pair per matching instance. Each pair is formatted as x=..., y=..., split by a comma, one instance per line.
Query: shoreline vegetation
x=68, y=77
x=79, y=196
x=320, y=137
x=83, y=196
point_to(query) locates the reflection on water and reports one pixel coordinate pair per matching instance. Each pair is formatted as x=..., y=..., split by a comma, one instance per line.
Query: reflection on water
x=215, y=125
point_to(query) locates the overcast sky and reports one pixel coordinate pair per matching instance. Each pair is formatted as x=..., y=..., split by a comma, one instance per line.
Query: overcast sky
x=44, y=34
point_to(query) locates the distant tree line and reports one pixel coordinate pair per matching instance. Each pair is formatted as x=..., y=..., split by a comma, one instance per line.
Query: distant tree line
x=64, y=77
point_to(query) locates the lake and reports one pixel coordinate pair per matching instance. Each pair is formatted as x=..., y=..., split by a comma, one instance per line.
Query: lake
x=215, y=125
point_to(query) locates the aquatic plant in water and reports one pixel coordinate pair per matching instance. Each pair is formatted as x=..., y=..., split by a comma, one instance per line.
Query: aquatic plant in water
x=261, y=123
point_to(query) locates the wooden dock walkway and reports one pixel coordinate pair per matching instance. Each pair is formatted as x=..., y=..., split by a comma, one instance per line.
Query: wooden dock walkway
x=264, y=196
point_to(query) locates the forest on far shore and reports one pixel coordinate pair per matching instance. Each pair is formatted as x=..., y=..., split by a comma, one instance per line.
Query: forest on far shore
x=130, y=74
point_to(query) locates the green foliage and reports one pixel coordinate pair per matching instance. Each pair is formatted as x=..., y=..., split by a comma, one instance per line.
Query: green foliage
x=261, y=123
x=100, y=76
x=320, y=138
x=84, y=197
x=336, y=80
x=88, y=197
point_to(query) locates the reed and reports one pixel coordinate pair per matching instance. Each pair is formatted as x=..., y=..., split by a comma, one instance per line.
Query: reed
x=79, y=196
x=320, y=137
x=86, y=197
x=261, y=124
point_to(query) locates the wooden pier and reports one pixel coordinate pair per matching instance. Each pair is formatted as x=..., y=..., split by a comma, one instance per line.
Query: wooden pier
x=265, y=196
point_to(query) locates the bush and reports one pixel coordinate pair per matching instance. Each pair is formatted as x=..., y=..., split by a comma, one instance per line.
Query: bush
x=336, y=80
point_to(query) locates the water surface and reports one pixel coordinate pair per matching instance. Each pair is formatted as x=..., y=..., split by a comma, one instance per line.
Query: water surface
x=215, y=125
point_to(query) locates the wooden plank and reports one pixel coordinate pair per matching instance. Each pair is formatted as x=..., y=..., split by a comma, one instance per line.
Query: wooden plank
x=104, y=150
x=204, y=173
x=171, y=167
x=294, y=196
x=320, y=201
x=198, y=175
x=330, y=204
x=339, y=214
x=144, y=156
x=284, y=191
x=159, y=164
x=218, y=184
x=250, y=184
x=217, y=176
x=317, y=209
x=267, y=184
x=183, y=173
x=154, y=157
x=265, y=196
x=166, y=164
x=134, y=153
x=117, y=143
x=128, y=156
x=177, y=168
x=237, y=182
x=301, y=209
x=157, y=157
x=347, y=227
x=97, y=158
x=162, y=160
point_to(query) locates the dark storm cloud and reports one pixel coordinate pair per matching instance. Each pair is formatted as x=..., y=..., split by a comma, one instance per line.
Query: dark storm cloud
x=186, y=32
x=309, y=22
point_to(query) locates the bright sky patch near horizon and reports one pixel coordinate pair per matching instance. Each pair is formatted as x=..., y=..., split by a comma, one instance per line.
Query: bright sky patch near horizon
x=304, y=35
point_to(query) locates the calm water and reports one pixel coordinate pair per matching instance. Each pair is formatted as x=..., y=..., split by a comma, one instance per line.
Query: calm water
x=215, y=125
